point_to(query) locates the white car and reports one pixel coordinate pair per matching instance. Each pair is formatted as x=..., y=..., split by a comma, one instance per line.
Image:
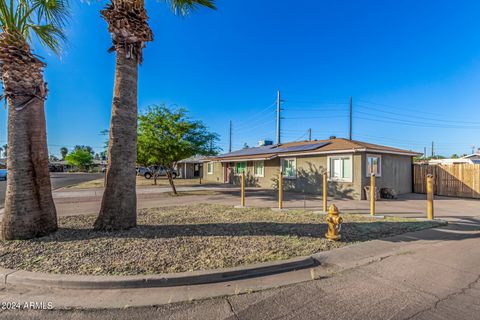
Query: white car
x=3, y=174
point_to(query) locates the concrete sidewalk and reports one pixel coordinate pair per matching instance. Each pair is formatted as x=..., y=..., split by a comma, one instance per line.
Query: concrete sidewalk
x=430, y=274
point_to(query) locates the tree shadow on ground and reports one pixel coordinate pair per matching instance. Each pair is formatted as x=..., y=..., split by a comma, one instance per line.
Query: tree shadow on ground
x=351, y=231
x=250, y=180
x=310, y=181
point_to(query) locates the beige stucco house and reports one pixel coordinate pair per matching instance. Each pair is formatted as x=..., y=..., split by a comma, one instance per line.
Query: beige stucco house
x=347, y=163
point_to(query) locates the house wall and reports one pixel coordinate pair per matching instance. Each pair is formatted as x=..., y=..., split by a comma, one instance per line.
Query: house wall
x=310, y=178
x=217, y=175
x=396, y=173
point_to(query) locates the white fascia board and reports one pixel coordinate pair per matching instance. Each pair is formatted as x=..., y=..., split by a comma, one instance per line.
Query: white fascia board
x=288, y=155
x=411, y=154
x=249, y=159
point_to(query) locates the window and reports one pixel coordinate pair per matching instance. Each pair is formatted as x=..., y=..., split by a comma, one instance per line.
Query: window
x=289, y=167
x=240, y=167
x=374, y=165
x=258, y=168
x=340, y=168
x=210, y=168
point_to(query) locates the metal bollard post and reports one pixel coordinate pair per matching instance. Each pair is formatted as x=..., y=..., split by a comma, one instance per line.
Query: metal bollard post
x=280, y=190
x=430, y=197
x=325, y=192
x=242, y=184
x=372, y=194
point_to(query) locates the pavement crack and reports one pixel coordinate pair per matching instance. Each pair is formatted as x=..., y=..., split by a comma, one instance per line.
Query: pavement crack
x=232, y=309
x=459, y=292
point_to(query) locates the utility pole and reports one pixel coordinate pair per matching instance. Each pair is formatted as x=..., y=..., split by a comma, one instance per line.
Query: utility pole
x=310, y=134
x=279, y=102
x=433, y=149
x=230, y=138
x=351, y=117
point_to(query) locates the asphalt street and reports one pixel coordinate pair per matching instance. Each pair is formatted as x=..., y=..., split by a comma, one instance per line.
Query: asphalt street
x=59, y=180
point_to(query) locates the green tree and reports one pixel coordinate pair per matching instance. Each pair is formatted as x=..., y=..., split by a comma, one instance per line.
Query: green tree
x=127, y=23
x=63, y=152
x=85, y=148
x=5, y=149
x=167, y=136
x=29, y=207
x=80, y=158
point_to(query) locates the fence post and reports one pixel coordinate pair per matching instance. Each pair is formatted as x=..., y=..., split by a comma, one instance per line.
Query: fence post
x=430, y=197
x=280, y=190
x=372, y=194
x=242, y=184
x=325, y=191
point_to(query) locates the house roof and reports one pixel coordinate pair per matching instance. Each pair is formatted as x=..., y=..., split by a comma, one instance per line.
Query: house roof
x=330, y=146
x=474, y=155
x=194, y=159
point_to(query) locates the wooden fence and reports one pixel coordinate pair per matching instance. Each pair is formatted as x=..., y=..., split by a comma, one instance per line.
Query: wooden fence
x=457, y=180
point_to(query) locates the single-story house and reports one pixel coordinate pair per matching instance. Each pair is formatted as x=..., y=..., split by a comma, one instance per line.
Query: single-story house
x=348, y=164
x=452, y=161
x=474, y=158
x=192, y=167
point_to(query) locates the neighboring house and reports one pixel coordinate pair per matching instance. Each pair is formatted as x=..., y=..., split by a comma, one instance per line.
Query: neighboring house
x=63, y=166
x=3, y=163
x=348, y=164
x=475, y=157
x=451, y=161
x=191, y=167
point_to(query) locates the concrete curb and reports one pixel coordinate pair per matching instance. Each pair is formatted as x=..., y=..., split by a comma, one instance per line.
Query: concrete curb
x=8, y=276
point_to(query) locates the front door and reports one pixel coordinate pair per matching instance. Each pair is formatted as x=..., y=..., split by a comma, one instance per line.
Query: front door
x=226, y=174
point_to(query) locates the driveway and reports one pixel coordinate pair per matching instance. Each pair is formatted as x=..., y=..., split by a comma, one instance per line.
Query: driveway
x=87, y=201
x=59, y=180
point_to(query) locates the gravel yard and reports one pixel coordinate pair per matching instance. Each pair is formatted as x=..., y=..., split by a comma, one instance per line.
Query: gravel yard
x=186, y=238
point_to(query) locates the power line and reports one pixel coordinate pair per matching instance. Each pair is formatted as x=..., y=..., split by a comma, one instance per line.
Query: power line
x=418, y=117
x=413, y=123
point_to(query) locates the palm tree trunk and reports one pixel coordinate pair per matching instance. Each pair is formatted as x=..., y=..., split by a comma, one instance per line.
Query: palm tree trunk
x=119, y=203
x=29, y=207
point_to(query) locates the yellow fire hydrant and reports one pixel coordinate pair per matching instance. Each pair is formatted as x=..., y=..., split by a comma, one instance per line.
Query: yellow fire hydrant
x=334, y=224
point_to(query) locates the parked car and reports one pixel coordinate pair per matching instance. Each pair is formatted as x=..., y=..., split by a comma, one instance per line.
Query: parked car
x=149, y=172
x=3, y=174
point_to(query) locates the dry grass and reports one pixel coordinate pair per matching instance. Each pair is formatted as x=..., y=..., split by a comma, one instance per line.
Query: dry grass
x=186, y=238
x=141, y=181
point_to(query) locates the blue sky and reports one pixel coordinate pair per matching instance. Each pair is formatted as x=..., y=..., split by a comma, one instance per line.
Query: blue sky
x=412, y=67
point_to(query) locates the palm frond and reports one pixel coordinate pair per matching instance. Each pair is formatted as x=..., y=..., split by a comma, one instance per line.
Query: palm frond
x=43, y=18
x=184, y=7
x=49, y=36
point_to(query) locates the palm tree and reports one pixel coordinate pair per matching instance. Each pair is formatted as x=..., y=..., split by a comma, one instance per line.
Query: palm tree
x=63, y=152
x=29, y=208
x=127, y=23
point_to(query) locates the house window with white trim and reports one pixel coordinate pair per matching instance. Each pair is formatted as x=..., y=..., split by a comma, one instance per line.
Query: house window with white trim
x=258, y=168
x=289, y=168
x=240, y=167
x=210, y=168
x=340, y=168
x=374, y=165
